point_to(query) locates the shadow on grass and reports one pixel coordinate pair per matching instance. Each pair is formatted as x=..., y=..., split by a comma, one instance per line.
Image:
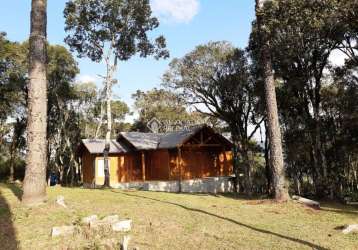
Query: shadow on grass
x=264, y=231
x=7, y=231
x=340, y=209
x=234, y=196
x=231, y=195
x=16, y=190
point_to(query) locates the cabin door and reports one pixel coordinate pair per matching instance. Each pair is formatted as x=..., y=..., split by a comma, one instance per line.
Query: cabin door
x=100, y=171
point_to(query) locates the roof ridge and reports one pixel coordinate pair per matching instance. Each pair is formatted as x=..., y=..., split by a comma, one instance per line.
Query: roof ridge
x=97, y=145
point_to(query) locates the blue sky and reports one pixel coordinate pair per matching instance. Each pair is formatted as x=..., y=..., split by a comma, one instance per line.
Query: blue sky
x=184, y=23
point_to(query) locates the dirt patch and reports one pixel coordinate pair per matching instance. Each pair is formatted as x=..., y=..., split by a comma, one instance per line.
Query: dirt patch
x=339, y=228
x=260, y=202
x=273, y=212
x=311, y=210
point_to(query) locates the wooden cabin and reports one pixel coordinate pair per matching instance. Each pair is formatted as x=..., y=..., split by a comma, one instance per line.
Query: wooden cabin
x=135, y=156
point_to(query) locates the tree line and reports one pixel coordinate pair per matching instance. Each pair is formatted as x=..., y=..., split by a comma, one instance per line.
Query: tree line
x=283, y=86
x=288, y=64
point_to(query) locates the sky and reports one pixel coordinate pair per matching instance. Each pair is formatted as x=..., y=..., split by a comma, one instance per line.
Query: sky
x=184, y=23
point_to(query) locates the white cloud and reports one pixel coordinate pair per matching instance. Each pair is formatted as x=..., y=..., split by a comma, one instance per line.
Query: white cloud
x=87, y=78
x=179, y=11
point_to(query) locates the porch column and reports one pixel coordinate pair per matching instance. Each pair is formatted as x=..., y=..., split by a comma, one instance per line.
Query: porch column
x=143, y=166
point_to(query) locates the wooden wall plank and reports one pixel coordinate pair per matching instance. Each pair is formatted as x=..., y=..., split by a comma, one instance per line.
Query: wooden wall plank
x=161, y=165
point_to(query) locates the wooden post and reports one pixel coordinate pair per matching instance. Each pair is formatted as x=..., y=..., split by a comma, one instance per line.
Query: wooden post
x=94, y=171
x=168, y=164
x=180, y=168
x=143, y=166
x=223, y=164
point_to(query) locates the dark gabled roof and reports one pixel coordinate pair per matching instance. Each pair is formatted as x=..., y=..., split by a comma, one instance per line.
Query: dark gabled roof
x=96, y=146
x=141, y=141
x=128, y=141
x=151, y=141
x=148, y=141
x=174, y=139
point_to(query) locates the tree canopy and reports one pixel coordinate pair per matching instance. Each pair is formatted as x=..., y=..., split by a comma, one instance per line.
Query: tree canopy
x=217, y=75
x=303, y=37
x=122, y=23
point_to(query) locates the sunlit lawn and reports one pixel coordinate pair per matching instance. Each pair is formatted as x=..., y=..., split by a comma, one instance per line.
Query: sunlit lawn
x=175, y=221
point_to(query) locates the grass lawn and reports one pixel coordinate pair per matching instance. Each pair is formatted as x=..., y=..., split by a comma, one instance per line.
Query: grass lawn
x=174, y=221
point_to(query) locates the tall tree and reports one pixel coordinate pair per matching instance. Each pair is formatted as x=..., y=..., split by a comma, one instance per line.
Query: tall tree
x=62, y=129
x=36, y=160
x=303, y=34
x=217, y=76
x=12, y=96
x=276, y=156
x=121, y=27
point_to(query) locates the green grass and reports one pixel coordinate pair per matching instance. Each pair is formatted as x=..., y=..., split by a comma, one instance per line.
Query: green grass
x=175, y=221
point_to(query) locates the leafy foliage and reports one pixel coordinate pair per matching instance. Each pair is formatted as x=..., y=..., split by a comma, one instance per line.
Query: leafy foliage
x=303, y=35
x=122, y=23
x=217, y=75
x=12, y=77
x=12, y=107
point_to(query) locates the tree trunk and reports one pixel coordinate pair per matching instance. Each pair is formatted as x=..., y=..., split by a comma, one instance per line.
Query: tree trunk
x=61, y=180
x=268, y=173
x=247, y=167
x=235, y=157
x=235, y=160
x=35, y=174
x=108, y=134
x=319, y=154
x=109, y=81
x=111, y=69
x=12, y=158
x=297, y=184
x=307, y=202
x=72, y=161
x=276, y=156
x=98, y=130
x=11, y=177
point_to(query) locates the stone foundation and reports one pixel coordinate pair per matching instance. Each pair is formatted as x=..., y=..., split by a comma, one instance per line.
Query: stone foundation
x=204, y=185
